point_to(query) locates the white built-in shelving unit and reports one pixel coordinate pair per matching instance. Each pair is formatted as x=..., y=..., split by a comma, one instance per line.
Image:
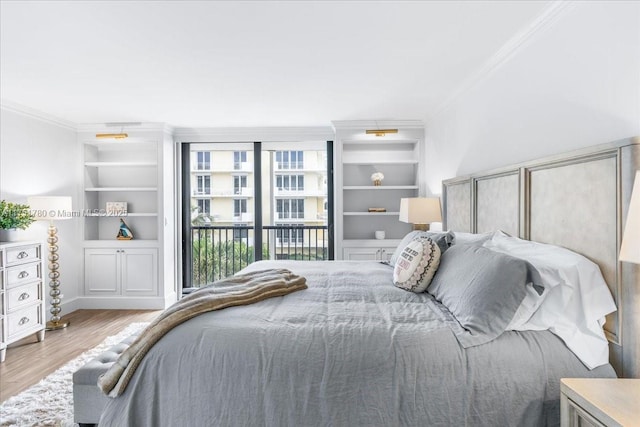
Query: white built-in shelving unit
x=138, y=170
x=357, y=156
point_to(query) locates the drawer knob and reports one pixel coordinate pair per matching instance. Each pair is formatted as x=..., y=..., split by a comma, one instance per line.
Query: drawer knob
x=23, y=274
x=23, y=296
x=23, y=321
x=22, y=255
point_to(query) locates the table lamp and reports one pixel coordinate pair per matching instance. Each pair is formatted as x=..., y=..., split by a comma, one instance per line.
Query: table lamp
x=420, y=211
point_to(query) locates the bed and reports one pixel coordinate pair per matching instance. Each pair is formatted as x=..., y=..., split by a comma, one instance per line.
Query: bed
x=354, y=350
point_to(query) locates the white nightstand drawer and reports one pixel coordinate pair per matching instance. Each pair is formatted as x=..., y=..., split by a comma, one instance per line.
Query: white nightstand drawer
x=24, y=320
x=22, y=254
x=23, y=295
x=22, y=273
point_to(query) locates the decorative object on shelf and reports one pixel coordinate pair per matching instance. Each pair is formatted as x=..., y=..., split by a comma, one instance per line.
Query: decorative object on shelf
x=377, y=178
x=380, y=132
x=630, y=248
x=420, y=211
x=380, y=234
x=116, y=208
x=125, y=232
x=377, y=209
x=13, y=217
x=53, y=208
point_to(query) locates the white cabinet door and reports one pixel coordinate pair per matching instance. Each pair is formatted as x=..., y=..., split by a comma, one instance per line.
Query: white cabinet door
x=101, y=271
x=139, y=271
x=361, y=254
x=367, y=254
x=115, y=272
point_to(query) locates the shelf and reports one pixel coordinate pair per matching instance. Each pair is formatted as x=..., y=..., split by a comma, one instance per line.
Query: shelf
x=371, y=213
x=121, y=189
x=380, y=187
x=120, y=164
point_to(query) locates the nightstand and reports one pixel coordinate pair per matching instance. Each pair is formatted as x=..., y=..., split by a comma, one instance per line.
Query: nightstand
x=599, y=402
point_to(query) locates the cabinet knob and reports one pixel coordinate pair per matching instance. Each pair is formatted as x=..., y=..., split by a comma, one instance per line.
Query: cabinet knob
x=23, y=274
x=22, y=255
x=23, y=321
x=23, y=296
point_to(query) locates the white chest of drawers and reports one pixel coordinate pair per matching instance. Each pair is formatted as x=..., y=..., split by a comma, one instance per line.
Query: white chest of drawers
x=21, y=293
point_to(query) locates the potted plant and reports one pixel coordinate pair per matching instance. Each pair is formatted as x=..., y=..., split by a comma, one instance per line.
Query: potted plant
x=13, y=216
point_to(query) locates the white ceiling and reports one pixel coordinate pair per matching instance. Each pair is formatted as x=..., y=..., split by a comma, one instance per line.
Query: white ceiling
x=210, y=64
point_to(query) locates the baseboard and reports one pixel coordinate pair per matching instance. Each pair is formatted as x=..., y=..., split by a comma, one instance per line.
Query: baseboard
x=122, y=303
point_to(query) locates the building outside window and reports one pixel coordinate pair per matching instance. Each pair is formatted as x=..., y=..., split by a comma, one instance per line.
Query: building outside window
x=203, y=184
x=239, y=207
x=290, y=182
x=290, y=159
x=291, y=235
x=203, y=162
x=240, y=233
x=239, y=157
x=290, y=208
x=204, y=206
x=239, y=182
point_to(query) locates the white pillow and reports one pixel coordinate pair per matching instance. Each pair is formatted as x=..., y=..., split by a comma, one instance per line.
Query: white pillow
x=460, y=238
x=416, y=264
x=575, y=302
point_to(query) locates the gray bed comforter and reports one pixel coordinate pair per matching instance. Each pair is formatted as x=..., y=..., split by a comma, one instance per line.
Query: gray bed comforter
x=351, y=350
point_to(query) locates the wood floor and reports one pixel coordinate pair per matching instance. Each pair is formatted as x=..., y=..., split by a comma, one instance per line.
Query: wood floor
x=28, y=361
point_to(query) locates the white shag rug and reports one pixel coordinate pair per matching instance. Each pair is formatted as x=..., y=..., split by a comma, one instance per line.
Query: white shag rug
x=50, y=402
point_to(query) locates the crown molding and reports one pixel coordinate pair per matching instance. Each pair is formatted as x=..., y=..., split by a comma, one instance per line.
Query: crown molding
x=125, y=126
x=250, y=134
x=377, y=124
x=14, y=107
x=542, y=22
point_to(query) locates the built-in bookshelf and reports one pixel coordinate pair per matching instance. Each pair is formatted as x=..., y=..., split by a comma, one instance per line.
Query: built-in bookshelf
x=399, y=158
x=121, y=171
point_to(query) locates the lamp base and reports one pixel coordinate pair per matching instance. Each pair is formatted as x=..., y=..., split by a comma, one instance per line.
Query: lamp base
x=421, y=227
x=53, y=326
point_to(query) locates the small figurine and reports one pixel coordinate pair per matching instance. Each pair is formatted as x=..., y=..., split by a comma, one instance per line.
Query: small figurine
x=125, y=232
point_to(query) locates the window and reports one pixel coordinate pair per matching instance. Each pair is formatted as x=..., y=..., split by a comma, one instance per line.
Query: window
x=203, y=160
x=240, y=233
x=290, y=182
x=203, y=184
x=239, y=207
x=239, y=157
x=288, y=234
x=239, y=182
x=289, y=159
x=290, y=208
x=204, y=206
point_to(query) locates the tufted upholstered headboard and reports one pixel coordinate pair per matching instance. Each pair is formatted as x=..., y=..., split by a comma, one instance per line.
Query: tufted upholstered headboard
x=577, y=200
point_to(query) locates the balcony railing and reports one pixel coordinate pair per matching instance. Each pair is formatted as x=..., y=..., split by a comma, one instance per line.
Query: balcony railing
x=220, y=251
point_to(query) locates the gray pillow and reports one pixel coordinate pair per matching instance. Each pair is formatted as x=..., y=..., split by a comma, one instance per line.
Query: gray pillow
x=482, y=289
x=443, y=239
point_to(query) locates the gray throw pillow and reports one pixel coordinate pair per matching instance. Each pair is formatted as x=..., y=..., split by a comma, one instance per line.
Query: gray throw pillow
x=482, y=289
x=443, y=239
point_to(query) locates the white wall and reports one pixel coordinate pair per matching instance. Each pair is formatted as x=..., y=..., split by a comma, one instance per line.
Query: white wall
x=573, y=84
x=39, y=157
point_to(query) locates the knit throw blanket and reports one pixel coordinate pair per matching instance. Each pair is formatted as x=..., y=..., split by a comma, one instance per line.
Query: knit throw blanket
x=240, y=289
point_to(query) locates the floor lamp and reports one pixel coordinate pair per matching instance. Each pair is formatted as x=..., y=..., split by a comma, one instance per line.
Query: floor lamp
x=53, y=208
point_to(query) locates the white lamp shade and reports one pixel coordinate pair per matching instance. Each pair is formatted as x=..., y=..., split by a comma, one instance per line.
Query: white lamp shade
x=630, y=249
x=420, y=210
x=51, y=207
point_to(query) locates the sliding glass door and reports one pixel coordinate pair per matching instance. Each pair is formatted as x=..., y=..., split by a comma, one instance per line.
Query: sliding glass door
x=244, y=202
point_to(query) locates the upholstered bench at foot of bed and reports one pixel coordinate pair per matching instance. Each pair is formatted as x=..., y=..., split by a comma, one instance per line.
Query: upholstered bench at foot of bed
x=88, y=399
